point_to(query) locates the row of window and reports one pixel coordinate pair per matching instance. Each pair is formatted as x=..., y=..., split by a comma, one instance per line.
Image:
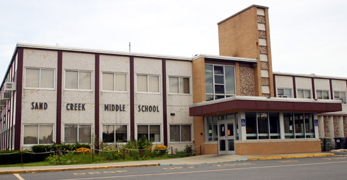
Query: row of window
x=81, y=80
x=264, y=125
x=306, y=93
x=43, y=133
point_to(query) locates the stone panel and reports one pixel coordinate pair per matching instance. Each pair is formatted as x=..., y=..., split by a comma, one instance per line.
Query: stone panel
x=345, y=125
x=263, y=57
x=264, y=65
x=260, y=12
x=263, y=49
x=247, y=81
x=326, y=126
x=336, y=126
x=261, y=27
x=265, y=81
x=261, y=19
x=262, y=34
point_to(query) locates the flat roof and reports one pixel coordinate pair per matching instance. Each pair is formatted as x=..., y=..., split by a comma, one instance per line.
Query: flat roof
x=254, y=5
x=308, y=75
x=263, y=104
x=225, y=58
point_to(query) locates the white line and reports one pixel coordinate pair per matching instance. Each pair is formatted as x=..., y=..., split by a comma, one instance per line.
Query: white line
x=18, y=176
x=217, y=170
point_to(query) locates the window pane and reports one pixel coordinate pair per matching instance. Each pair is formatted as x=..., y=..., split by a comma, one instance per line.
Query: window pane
x=85, y=80
x=153, y=83
x=121, y=133
x=251, y=125
x=219, y=79
x=71, y=81
x=141, y=83
x=46, y=134
x=299, y=125
x=309, y=125
x=208, y=78
x=32, y=78
x=174, y=133
x=154, y=133
x=173, y=85
x=107, y=81
x=84, y=134
x=70, y=133
x=288, y=125
x=185, y=86
x=325, y=94
x=308, y=94
x=274, y=125
x=219, y=89
x=218, y=70
x=108, y=133
x=288, y=92
x=209, y=97
x=280, y=92
x=319, y=95
x=142, y=130
x=185, y=133
x=47, y=78
x=300, y=93
x=263, y=126
x=120, y=82
x=30, y=134
x=229, y=80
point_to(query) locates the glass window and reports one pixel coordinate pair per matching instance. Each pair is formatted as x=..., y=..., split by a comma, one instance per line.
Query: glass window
x=38, y=134
x=121, y=133
x=39, y=78
x=77, y=133
x=77, y=80
x=251, y=125
x=262, y=125
x=211, y=128
x=288, y=125
x=113, y=82
x=152, y=132
x=309, y=126
x=299, y=125
x=179, y=85
x=274, y=125
x=180, y=133
x=340, y=95
x=147, y=83
x=284, y=92
x=108, y=133
x=304, y=93
x=173, y=84
x=321, y=94
x=220, y=81
x=174, y=133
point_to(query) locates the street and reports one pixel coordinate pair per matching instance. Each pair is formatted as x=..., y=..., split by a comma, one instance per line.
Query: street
x=333, y=167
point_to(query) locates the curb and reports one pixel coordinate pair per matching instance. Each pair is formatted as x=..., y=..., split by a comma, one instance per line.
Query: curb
x=73, y=169
x=291, y=156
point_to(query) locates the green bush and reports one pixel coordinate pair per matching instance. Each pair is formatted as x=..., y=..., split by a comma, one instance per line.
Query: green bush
x=14, y=157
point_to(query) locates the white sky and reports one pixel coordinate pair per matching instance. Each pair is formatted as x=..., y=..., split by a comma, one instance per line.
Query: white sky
x=307, y=36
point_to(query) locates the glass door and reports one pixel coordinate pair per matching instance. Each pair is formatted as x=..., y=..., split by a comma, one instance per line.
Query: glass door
x=226, y=137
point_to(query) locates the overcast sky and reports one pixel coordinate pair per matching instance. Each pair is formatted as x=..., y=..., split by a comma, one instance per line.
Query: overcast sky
x=307, y=36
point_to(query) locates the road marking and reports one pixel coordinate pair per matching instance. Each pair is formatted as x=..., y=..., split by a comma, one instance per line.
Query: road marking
x=289, y=161
x=190, y=167
x=327, y=158
x=173, y=168
x=216, y=170
x=239, y=164
x=18, y=176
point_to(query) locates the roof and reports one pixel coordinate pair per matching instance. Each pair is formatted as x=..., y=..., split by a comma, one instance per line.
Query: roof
x=308, y=75
x=227, y=58
x=254, y=5
x=264, y=104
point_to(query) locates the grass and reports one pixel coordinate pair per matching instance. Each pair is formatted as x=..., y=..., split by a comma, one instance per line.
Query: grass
x=42, y=163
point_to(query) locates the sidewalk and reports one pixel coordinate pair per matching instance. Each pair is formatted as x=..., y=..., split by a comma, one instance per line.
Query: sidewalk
x=202, y=159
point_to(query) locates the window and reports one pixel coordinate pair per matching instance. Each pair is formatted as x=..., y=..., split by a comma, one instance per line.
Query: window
x=78, y=80
x=321, y=94
x=220, y=81
x=340, y=95
x=147, y=83
x=77, y=133
x=211, y=128
x=304, y=93
x=180, y=133
x=113, y=82
x=152, y=132
x=262, y=125
x=298, y=125
x=38, y=134
x=39, y=78
x=179, y=85
x=114, y=133
x=284, y=92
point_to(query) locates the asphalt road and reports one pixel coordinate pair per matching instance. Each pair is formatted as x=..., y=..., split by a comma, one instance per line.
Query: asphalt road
x=302, y=168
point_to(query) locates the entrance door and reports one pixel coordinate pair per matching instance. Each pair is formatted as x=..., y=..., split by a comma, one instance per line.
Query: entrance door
x=226, y=137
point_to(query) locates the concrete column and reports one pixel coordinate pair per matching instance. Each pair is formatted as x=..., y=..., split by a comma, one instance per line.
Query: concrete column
x=341, y=128
x=331, y=131
x=282, y=126
x=321, y=126
x=316, y=129
x=243, y=132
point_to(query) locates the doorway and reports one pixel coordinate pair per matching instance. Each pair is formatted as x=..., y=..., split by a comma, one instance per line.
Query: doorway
x=226, y=136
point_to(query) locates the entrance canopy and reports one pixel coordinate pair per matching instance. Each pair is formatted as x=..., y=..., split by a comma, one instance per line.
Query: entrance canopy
x=247, y=103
